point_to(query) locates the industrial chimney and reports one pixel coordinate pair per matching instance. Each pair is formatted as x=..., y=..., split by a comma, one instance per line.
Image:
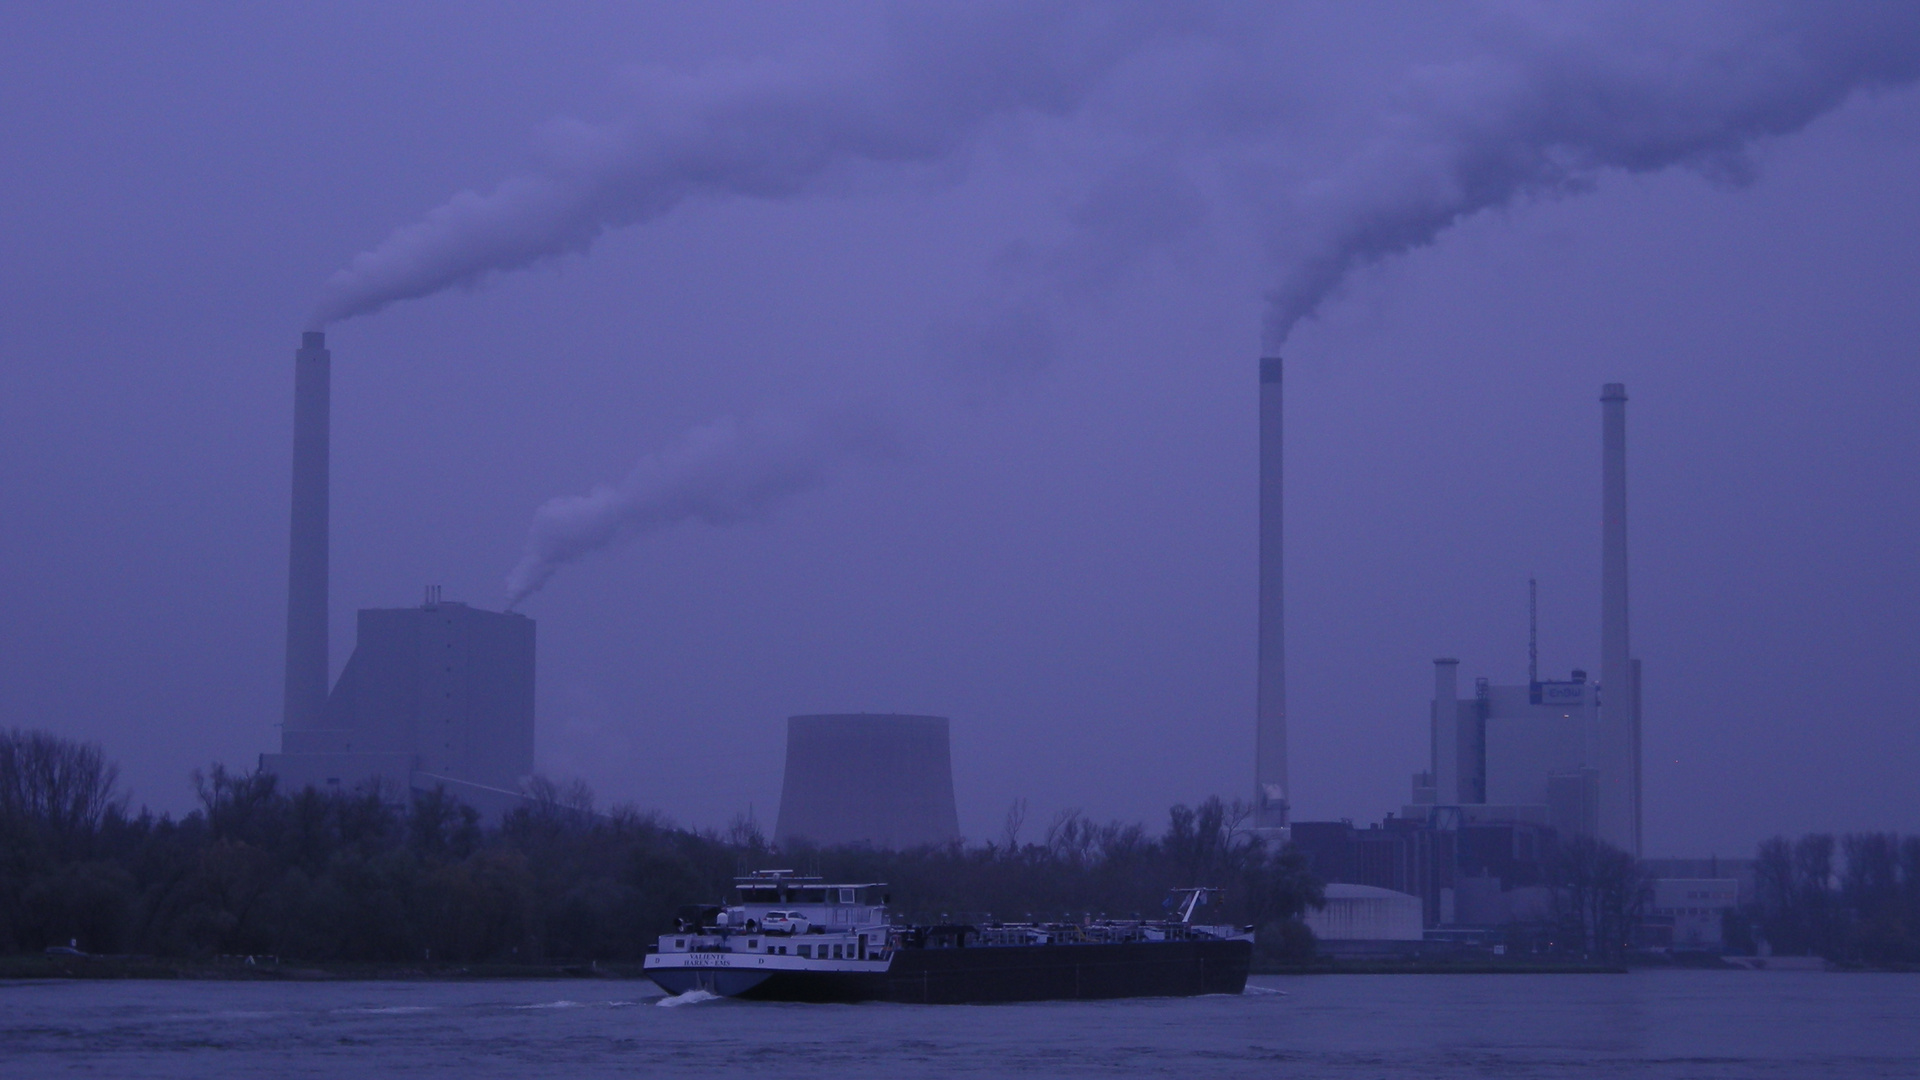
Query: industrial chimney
x=1270, y=710
x=306, y=686
x=1619, y=735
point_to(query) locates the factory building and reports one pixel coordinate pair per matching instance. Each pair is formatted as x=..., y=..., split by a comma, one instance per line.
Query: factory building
x=1562, y=754
x=867, y=778
x=1690, y=913
x=438, y=696
x=1463, y=872
x=1515, y=754
x=1514, y=769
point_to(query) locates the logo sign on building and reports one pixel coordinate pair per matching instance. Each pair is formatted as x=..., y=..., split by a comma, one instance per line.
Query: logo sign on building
x=1563, y=693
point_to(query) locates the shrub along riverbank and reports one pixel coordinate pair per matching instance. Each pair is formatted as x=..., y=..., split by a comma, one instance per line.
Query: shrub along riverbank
x=413, y=879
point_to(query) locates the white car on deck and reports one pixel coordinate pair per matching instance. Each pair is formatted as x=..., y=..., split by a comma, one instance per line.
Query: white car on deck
x=784, y=922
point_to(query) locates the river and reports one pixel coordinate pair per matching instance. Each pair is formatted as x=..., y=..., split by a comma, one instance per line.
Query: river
x=1432, y=1027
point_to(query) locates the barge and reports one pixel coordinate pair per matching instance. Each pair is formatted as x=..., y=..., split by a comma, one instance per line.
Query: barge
x=789, y=937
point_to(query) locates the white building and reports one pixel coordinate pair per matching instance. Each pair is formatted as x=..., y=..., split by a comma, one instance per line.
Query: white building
x=1696, y=906
x=1365, y=913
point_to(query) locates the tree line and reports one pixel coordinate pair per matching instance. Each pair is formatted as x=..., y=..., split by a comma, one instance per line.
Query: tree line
x=1854, y=900
x=386, y=876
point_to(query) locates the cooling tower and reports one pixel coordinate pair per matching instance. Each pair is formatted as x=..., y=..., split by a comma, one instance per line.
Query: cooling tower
x=1619, y=735
x=867, y=778
x=1270, y=709
x=306, y=681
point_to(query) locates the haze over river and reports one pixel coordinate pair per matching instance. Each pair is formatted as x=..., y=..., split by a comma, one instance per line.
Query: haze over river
x=1647, y=1024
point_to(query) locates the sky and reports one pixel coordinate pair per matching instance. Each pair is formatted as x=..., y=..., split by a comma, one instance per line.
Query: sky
x=912, y=351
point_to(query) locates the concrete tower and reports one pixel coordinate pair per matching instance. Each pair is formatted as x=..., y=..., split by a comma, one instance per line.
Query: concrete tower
x=1617, y=741
x=306, y=682
x=868, y=778
x=1446, y=732
x=1271, y=797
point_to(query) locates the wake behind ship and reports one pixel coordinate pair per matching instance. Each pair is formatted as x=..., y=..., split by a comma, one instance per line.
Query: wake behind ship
x=797, y=938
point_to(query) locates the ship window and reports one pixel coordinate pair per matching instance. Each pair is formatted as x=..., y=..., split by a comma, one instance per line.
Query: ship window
x=806, y=950
x=753, y=943
x=680, y=943
x=846, y=896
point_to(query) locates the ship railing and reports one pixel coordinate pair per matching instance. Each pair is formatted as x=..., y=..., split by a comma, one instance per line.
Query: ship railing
x=1077, y=933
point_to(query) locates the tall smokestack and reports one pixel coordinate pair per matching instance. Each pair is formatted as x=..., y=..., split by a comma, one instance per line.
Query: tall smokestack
x=1446, y=732
x=306, y=688
x=1619, y=726
x=1270, y=725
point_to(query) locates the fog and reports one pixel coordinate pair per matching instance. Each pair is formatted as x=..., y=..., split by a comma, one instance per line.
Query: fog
x=786, y=359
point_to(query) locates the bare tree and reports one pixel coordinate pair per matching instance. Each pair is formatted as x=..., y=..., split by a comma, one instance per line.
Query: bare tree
x=1600, y=891
x=55, y=790
x=1010, y=831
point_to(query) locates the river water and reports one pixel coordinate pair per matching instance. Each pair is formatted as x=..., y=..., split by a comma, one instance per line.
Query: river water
x=1432, y=1027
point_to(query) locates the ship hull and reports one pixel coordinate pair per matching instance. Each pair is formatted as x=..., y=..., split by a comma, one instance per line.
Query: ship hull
x=982, y=975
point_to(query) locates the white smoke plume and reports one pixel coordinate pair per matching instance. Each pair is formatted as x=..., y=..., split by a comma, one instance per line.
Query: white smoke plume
x=946, y=71
x=1637, y=89
x=720, y=474
x=1553, y=97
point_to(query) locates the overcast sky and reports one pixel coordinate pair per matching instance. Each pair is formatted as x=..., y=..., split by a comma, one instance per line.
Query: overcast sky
x=963, y=307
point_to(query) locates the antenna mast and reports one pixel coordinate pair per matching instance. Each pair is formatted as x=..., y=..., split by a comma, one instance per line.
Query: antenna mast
x=1533, y=633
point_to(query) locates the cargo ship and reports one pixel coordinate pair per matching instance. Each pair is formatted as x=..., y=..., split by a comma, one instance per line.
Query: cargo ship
x=789, y=937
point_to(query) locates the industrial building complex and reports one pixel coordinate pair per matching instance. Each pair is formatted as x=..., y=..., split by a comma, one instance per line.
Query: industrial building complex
x=1557, y=753
x=441, y=696
x=438, y=696
x=1513, y=770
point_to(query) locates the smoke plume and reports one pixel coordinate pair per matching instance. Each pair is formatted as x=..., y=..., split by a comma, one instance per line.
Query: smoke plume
x=723, y=473
x=1549, y=99
x=1643, y=89
x=769, y=132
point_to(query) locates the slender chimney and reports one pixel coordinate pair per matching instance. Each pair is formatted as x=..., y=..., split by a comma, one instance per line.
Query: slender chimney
x=1446, y=732
x=1619, y=727
x=1272, y=807
x=306, y=686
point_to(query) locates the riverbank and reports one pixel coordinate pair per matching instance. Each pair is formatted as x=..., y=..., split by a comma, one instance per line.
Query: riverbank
x=272, y=969
x=1477, y=965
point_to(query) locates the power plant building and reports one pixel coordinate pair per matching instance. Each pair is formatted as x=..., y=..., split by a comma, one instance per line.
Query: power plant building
x=1564, y=754
x=867, y=778
x=438, y=695
x=1512, y=753
x=435, y=696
